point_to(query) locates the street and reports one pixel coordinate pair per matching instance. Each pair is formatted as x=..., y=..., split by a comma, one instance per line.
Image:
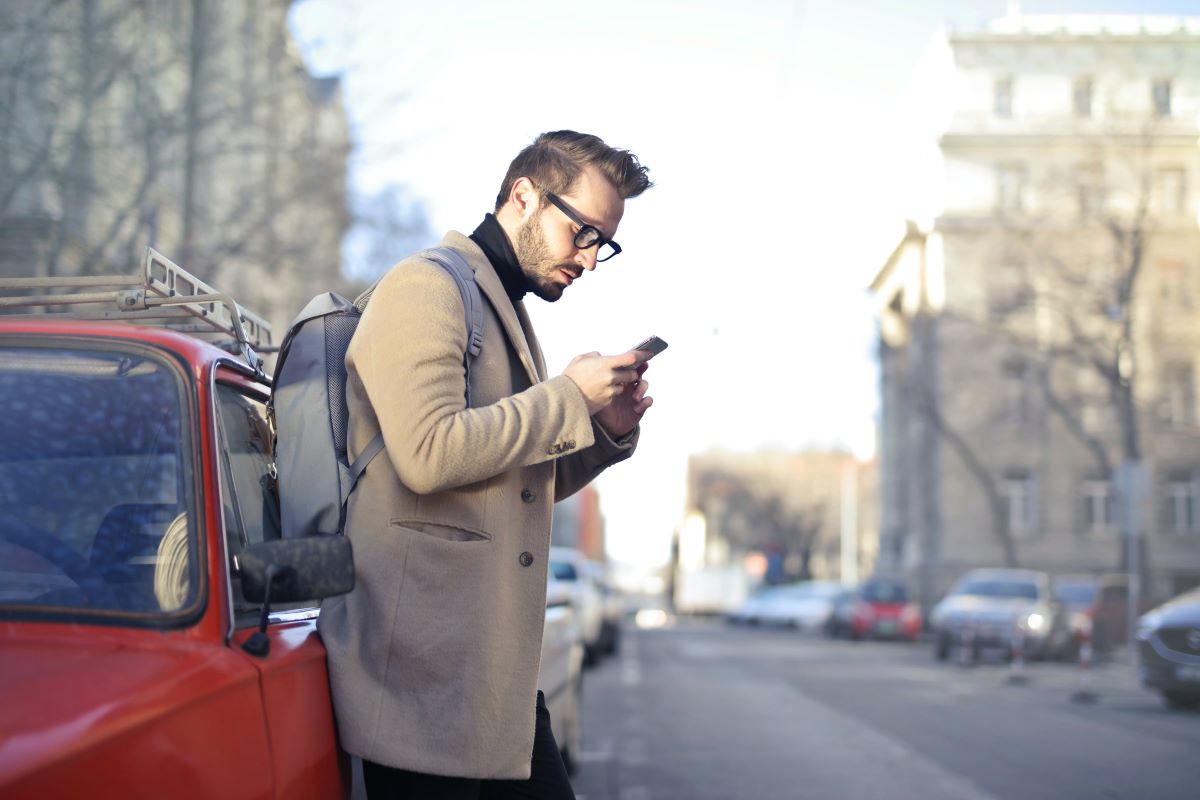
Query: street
x=698, y=709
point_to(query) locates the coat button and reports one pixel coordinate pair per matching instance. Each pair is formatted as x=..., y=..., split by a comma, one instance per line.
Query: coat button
x=526, y=558
x=527, y=495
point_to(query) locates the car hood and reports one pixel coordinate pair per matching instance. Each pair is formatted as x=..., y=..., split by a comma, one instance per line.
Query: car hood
x=1184, y=610
x=885, y=609
x=973, y=605
x=68, y=690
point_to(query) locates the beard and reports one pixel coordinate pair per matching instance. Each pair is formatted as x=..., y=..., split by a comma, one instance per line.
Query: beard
x=537, y=262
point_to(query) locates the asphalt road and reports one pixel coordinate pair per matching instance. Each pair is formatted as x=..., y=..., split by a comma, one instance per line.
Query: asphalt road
x=698, y=710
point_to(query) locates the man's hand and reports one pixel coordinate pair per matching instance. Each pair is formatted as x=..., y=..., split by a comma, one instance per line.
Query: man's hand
x=602, y=378
x=625, y=411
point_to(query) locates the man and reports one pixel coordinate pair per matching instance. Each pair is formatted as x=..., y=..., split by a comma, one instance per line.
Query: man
x=434, y=656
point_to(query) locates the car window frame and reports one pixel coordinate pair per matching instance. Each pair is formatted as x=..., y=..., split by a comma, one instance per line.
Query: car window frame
x=236, y=375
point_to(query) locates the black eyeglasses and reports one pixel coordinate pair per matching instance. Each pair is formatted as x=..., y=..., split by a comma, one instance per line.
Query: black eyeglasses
x=587, y=235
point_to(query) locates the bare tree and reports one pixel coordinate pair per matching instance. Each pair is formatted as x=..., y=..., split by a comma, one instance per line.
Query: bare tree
x=189, y=125
x=766, y=511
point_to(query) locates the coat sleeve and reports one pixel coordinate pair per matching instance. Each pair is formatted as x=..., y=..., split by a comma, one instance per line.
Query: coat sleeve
x=579, y=469
x=408, y=355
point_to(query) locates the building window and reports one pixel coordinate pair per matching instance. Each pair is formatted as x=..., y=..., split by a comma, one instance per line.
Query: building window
x=1169, y=195
x=1019, y=493
x=1160, y=90
x=1018, y=393
x=1097, y=497
x=1010, y=188
x=1083, y=97
x=1179, y=395
x=1176, y=283
x=1003, y=97
x=1180, y=504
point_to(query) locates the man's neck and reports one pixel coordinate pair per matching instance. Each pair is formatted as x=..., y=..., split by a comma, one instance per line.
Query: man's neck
x=497, y=244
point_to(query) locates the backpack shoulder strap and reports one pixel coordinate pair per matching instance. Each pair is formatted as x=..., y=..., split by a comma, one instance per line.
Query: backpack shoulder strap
x=464, y=277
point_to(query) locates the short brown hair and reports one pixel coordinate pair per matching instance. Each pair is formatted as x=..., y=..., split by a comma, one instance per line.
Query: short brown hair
x=555, y=160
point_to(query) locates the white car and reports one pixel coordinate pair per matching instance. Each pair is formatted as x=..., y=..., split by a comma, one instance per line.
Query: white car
x=561, y=676
x=807, y=605
x=575, y=570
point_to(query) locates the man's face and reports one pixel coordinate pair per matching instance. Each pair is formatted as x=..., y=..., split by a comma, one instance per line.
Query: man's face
x=546, y=240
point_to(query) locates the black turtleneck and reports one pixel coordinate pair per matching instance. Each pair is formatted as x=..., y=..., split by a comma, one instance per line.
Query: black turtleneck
x=493, y=241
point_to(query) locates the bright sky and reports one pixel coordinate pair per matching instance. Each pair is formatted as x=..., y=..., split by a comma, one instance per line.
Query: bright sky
x=768, y=128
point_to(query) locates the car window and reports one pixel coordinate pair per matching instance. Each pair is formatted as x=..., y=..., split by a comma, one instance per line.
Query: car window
x=564, y=571
x=249, y=507
x=986, y=587
x=95, y=483
x=884, y=593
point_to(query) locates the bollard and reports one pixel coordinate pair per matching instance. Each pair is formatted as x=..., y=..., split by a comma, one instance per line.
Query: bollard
x=1016, y=664
x=1083, y=691
x=966, y=645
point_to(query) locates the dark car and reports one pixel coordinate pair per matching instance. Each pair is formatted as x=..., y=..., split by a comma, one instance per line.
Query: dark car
x=878, y=608
x=1096, y=606
x=1169, y=647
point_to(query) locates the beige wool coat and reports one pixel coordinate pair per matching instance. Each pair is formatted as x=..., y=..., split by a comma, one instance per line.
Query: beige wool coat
x=433, y=658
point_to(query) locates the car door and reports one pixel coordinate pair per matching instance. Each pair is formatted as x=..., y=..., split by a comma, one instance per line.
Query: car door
x=294, y=679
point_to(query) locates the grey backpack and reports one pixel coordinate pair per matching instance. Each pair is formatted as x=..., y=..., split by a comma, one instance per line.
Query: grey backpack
x=308, y=403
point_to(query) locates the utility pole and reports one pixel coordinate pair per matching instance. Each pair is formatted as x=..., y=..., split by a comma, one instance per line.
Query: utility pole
x=1131, y=488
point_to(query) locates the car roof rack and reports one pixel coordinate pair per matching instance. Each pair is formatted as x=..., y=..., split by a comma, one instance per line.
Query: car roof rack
x=163, y=293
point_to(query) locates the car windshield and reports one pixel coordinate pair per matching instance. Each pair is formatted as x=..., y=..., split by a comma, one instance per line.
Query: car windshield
x=991, y=587
x=884, y=593
x=94, y=485
x=564, y=571
x=1076, y=594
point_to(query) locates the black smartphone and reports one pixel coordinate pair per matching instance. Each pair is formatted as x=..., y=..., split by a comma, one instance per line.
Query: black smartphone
x=652, y=345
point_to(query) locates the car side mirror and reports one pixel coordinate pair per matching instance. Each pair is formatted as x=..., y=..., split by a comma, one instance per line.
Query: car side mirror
x=288, y=570
x=310, y=568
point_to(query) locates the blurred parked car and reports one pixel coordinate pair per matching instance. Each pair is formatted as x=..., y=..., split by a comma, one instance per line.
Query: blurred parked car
x=612, y=608
x=807, y=605
x=1169, y=649
x=1096, y=605
x=573, y=569
x=989, y=608
x=561, y=676
x=878, y=608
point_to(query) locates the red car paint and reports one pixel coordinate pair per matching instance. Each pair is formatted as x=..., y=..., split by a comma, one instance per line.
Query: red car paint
x=99, y=704
x=894, y=620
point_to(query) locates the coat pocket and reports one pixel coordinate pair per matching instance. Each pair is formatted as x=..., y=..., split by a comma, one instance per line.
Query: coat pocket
x=447, y=533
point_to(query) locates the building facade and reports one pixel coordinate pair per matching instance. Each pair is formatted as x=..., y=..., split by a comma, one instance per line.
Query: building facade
x=191, y=126
x=1039, y=332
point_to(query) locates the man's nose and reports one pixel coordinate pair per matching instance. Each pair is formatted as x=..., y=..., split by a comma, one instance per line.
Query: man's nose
x=586, y=258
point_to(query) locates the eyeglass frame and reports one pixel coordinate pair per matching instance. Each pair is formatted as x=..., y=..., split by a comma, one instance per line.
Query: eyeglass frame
x=584, y=227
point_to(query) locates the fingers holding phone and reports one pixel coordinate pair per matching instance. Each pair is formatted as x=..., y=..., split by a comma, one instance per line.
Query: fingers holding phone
x=602, y=379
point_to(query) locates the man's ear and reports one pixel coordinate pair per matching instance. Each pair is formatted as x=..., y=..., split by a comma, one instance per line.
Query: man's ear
x=524, y=198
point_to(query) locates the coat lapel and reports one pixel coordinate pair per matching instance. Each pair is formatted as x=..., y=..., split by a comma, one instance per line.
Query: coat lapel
x=493, y=290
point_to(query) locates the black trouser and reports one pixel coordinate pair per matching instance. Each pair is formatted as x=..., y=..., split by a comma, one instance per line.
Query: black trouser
x=547, y=781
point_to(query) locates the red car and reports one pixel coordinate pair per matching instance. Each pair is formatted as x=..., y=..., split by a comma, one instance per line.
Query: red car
x=141, y=654
x=877, y=609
